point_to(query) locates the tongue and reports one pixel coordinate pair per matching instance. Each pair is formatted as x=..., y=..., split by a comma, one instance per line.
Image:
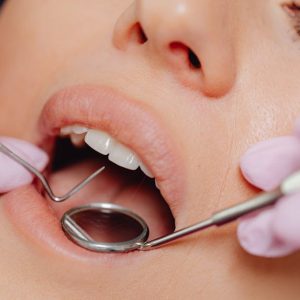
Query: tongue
x=129, y=189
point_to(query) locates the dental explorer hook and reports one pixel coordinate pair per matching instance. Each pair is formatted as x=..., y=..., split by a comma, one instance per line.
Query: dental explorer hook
x=43, y=179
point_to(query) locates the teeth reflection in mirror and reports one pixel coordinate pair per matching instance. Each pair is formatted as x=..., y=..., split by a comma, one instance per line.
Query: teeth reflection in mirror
x=99, y=141
x=123, y=157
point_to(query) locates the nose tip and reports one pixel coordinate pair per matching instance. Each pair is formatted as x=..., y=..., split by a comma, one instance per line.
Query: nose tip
x=187, y=37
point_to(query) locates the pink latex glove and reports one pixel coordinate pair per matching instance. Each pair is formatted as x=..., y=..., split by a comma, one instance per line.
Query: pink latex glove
x=273, y=231
x=12, y=174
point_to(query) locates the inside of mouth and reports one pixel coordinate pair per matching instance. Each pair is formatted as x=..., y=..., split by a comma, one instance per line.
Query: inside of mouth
x=130, y=189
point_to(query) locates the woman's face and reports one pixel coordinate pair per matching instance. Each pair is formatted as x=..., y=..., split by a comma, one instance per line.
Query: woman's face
x=187, y=85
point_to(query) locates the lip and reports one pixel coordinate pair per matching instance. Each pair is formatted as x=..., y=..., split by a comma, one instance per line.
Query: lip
x=35, y=221
x=133, y=123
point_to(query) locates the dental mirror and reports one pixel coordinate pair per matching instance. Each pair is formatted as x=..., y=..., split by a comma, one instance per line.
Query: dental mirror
x=105, y=227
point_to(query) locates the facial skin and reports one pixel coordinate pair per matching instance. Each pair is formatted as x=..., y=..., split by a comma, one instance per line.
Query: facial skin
x=247, y=90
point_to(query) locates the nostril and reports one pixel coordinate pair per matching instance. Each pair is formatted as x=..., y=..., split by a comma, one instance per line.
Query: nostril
x=194, y=60
x=187, y=54
x=137, y=34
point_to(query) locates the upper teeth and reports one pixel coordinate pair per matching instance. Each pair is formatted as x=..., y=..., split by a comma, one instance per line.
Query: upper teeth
x=105, y=144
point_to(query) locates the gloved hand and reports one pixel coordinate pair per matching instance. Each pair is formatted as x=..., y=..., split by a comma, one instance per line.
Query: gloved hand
x=12, y=174
x=273, y=231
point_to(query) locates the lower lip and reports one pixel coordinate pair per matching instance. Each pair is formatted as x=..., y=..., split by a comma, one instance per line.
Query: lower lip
x=32, y=215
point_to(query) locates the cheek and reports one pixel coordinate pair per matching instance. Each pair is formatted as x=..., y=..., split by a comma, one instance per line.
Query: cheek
x=34, y=53
x=25, y=68
x=217, y=133
x=270, y=110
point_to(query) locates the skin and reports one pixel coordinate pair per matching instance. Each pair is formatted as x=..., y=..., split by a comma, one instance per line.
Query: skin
x=246, y=91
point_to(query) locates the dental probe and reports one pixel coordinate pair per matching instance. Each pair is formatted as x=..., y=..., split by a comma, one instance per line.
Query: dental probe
x=139, y=241
x=43, y=179
x=219, y=218
x=290, y=185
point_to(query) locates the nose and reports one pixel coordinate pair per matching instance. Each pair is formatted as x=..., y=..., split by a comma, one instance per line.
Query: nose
x=193, y=38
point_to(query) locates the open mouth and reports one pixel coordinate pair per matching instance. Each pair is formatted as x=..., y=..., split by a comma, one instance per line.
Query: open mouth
x=126, y=180
x=86, y=127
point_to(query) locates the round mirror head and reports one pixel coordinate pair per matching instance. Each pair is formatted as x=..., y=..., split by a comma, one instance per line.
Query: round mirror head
x=105, y=227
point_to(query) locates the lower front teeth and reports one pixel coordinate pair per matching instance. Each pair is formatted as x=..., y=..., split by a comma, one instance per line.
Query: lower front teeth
x=105, y=144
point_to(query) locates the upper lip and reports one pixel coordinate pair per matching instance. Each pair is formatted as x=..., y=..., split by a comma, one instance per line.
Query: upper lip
x=131, y=122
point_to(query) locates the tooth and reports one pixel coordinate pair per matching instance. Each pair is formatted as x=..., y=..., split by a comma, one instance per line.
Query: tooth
x=77, y=139
x=123, y=157
x=156, y=184
x=146, y=170
x=79, y=129
x=118, y=153
x=66, y=130
x=99, y=141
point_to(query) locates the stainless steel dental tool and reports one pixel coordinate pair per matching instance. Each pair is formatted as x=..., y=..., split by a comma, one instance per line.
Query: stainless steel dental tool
x=113, y=228
x=44, y=181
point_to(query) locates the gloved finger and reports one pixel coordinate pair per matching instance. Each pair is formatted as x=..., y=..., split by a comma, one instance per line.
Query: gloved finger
x=267, y=163
x=257, y=237
x=12, y=174
x=286, y=221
